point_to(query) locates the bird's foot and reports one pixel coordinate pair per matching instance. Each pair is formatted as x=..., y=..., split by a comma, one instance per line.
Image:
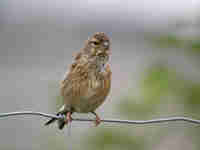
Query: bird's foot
x=68, y=117
x=97, y=120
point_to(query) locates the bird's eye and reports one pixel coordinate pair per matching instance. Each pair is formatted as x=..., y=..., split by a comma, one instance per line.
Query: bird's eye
x=95, y=43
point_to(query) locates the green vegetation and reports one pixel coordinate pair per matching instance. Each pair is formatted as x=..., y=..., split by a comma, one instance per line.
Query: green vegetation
x=173, y=41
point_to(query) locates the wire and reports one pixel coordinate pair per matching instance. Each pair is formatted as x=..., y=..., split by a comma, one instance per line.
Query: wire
x=159, y=120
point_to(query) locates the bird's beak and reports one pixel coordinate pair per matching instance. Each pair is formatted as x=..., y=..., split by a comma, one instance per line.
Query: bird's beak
x=106, y=44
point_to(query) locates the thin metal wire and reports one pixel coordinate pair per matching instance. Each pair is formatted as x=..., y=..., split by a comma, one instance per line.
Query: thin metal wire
x=159, y=120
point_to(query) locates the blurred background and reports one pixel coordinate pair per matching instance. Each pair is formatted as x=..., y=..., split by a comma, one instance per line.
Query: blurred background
x=155, y=64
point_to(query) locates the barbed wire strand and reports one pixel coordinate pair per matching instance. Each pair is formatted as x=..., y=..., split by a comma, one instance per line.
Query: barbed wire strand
x=159, y=120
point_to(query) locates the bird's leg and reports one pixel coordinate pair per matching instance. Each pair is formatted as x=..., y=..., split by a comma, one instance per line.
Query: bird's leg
x=98, y=120
x=68, y=117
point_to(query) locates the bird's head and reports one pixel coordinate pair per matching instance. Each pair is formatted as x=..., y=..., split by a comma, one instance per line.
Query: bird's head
x=98, y=47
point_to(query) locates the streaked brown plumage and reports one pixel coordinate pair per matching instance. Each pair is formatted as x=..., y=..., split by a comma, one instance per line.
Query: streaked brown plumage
x=88, y=81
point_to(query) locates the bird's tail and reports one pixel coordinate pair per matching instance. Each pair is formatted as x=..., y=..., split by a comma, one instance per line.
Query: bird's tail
x=61, y=122
x=51, y=120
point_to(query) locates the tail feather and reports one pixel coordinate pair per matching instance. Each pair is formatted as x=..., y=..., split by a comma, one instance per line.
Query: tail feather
x=61, y=124
x=51, y=120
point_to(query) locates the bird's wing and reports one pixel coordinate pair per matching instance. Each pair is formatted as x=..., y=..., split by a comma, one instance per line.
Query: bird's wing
x=75, y=79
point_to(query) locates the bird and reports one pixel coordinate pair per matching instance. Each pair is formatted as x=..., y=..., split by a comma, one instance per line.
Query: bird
x=87, y=83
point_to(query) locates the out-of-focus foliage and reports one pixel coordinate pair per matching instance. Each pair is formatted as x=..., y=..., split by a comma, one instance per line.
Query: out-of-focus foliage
x=157, y=82
x=195, y=45
x=168, y=41
x=114, y=138
x=174, y=41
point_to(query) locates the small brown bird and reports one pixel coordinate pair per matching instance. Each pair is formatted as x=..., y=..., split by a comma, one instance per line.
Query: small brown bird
x=88, y=81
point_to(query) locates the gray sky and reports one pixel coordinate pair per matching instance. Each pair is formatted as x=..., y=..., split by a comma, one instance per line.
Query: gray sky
x=146, y=8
